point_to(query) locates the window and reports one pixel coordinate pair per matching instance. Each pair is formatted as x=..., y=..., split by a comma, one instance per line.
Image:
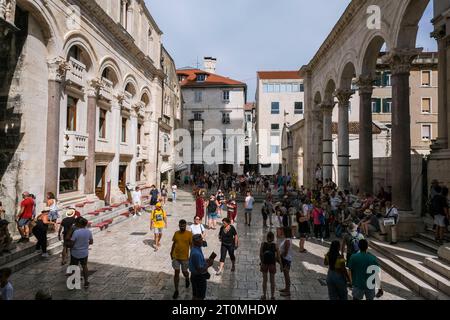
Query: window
x=225, y=143
x=197, y=116
x=376, y=105
x=249, y=118
x=165, y=144
x=139, y=133
x=124, y=130
x=386, y=79
x=226, y=95
x=71, y=124
x=298, y=108
x=302, y=87
x=387, y=105
x=426, y=132
x=198, y=96
x=426, y=105
x=226, y=118
x=296, y=87
x=275, y=126
x=265, y=88
x=102, y=124
x=426, y=78
x=270, y=88
x=283, y=87
x=289, y=87
x=201, y=77
x=378, y=79
x=275, y=149
x=275, y=108
x=68, y=180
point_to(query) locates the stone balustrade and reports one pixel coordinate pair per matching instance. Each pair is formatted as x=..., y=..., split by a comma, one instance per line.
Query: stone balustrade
x=106, y=89
x=141, y=153
x=76, y=74
x=75, y=144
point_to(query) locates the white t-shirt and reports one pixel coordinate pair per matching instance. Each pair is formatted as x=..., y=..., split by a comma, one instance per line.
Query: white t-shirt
x=197, y=229
x=137, y=195
x=81, y=238
x=249, y=202
x=7, y=292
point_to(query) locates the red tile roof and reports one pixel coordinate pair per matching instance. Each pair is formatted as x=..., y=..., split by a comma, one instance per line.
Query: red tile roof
x=211, y=79
x=353, y=128
x=249, y=106
x=279, y=75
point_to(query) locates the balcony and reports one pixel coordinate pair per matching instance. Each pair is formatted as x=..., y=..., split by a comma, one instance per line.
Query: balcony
x=106, y=90
x=75, y=145
x=141, y=153
x=76, y=75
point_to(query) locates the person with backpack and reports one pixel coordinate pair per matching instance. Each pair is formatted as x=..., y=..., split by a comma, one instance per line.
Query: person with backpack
x=67, y=226
x=269, y=255
x=212, y=208
x=350, y=243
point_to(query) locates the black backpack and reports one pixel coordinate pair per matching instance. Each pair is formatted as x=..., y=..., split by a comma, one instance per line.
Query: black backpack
x=269, y=256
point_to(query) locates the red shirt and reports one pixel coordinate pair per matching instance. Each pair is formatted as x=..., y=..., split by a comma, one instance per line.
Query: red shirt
x=28, y=205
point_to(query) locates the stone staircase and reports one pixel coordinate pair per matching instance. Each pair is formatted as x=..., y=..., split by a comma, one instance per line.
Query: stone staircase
x=416, y=265
x=24, y=254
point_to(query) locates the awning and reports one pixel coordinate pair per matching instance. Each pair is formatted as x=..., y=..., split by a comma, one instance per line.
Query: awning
x=165, y=167
x=181, y=166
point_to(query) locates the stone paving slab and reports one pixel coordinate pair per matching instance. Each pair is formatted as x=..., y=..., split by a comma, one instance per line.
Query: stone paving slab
x=124, y=266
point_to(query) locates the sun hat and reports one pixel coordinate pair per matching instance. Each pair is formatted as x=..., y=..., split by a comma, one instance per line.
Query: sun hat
x=70, y=213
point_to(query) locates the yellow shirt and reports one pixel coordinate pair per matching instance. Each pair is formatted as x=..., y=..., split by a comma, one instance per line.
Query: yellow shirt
x=158, y=216
x=183, y=243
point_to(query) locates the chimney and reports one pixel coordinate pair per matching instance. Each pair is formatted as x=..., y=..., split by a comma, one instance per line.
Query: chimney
x=210, y=64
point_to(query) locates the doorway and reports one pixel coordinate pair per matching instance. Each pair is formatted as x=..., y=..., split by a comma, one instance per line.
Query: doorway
x=122, y=178
x=100, y=182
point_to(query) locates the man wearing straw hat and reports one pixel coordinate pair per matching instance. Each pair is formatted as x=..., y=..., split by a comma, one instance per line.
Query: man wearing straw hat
x=67, y=225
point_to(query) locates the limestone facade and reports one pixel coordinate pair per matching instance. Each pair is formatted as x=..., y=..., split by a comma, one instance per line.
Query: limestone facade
x=213, y=115
x=81, y=100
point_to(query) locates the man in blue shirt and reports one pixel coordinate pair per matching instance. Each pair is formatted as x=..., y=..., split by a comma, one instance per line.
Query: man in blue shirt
x=360, y=266
x=198, y=267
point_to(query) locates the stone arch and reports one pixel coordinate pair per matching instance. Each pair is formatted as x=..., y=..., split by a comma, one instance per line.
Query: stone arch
x=113, y=70
x=347, y=71
x=409, y=15
x=145, y=96
x=329, y=91
x=371, y=51
x=47, y=23
x=90, y=59
x=130, y=85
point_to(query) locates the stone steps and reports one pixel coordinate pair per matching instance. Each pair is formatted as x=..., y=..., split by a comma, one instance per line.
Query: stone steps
x=25, y=254
x=426, y=243
x=413, y=261
x=439, y=266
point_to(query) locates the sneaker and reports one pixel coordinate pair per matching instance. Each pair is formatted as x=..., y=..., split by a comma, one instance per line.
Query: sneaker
x=45, y=255
x=134, y=216
x=175, y=295
x=187, y=283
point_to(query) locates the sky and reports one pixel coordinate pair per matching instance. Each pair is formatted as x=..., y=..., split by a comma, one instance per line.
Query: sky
x=247, y=36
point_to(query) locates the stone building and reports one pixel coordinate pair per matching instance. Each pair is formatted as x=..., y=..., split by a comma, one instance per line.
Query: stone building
x=251, y=147
x=80, y=99
x=279, y=101
x=213, y=112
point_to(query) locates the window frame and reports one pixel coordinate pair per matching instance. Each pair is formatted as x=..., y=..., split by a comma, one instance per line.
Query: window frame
x=226, y=95
x=74, y=108
x=198, y=96
x=75, y=181
x=431, y=78
x=302, y=108
x=102, y=129
x=124, y=125
x=272, y=107
x=421, y=105
x=431, y=132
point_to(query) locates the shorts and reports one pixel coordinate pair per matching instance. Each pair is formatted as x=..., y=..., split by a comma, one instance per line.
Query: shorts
x=439, y=220
x=53, y=215
x=286, y=264
x=153, y=201
x=158, y=230
x=213, y=215
x=137, y=203
x=76, y=261
x=270, y=268
x=303, y=229
x=358, y=294
x=180, y=264
x=23, y=222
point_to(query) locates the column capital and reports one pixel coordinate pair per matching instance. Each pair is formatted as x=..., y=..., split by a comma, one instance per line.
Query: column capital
x=400, y=60
x=365, y=84
x=93, y=87
x=344, y=95
x=57, y=68
x=327, y=107
x=439, y=33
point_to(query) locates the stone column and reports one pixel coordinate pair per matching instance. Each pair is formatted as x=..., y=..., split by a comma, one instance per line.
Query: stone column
x=343, y=139
x=117, y=128
x=92, y=92
x=133, y=143
x=327, y=159
x=124, y=13
x=443, y=133
x=365, y=85
x=400, y=61
x=57, y=69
